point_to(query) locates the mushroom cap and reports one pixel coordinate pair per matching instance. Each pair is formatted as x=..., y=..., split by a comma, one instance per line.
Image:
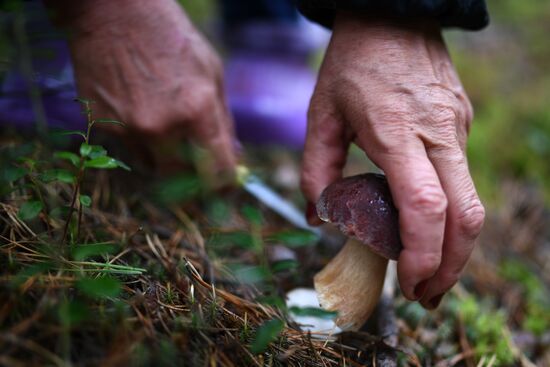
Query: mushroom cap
x=362, y=207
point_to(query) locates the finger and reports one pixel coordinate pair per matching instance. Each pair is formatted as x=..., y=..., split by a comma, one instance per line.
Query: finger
x=324, y=155
x=214, y=132
x=421, y=201
x=465, y=216
x=156, y=137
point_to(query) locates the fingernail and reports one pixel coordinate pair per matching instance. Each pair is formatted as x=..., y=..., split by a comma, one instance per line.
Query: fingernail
x=420, y=289
x=435, y=301
x=311, y=214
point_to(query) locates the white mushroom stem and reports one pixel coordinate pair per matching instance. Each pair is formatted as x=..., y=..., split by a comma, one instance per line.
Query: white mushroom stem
x=351, y=284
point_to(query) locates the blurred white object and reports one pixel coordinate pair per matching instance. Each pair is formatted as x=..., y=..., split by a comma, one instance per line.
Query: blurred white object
x=270, y=198
x=307, y=297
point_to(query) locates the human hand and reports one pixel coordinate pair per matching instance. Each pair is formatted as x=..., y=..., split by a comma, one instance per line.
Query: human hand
x=144, y=63
x=391, y=88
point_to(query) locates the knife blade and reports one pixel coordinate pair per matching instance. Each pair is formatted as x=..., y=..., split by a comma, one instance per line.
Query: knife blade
x=273, y=200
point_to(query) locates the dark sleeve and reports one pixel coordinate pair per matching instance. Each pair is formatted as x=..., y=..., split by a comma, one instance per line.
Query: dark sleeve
x=466, y=14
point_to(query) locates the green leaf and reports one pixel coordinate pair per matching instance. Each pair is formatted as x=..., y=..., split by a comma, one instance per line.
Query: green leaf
x=86, y=251
x=272, y=301
x=104, y=162
x=219, y=211
x=313, y=312
x=58, y=175
x=109, y=121
x=85, y=200
x=71, y=132
x=249, y=273
x=284, y=265
x=253, y=214
x=11, y=174
x=30, y=209
x=64, y=176
x=84, y=101
x=85, y=149
x=240, y=239
x=59, y=212
x=31, y=163
x=266, y=334
x=6, y=189
x=72, y=312
x=103, y=287
x=70, y=156
x=106, y=268
x=123, y=165
x=97, y=151
x=294, y=238
x=177, y=189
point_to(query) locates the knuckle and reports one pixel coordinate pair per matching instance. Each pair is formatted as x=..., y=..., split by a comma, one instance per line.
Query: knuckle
x=448, y=152
x=153, y=127
x=471, y=219
x=448, y=278
x=445, y=115
x=447, y=107
x=152, y=130
x=428, y=263
x=428, y=200
x=201, y=102
x=146, y=128
x=319, y=108
x=213, y=133
x=469, y=111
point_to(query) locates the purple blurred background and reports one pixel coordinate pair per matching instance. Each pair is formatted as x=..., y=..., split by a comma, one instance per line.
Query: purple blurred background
x=269, y=77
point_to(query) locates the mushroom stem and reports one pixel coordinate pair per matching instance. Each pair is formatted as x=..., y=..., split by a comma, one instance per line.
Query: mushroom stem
x=351, y=284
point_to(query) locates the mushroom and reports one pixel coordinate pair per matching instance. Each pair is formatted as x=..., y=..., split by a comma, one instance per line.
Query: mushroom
x=362, y=208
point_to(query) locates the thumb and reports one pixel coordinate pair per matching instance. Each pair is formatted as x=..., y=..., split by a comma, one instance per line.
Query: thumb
x=215, y=133
x=324, y=155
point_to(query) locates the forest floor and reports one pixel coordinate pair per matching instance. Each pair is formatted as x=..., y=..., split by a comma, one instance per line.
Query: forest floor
x=166, y=271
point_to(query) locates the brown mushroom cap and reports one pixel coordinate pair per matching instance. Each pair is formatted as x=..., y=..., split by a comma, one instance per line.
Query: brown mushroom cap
x=362, y=207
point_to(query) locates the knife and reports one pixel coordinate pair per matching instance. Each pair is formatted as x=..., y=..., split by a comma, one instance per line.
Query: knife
x=274, y=201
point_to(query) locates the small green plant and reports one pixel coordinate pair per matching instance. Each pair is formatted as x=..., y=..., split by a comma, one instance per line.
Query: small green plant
x=536, y=318
x=485, y=329
x=32, y=178
x=32, y=174
x=267, y=333
x=90, y=156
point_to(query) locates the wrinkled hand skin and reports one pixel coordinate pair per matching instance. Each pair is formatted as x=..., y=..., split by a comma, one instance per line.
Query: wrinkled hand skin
x=390, y=87
x=144, y=63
